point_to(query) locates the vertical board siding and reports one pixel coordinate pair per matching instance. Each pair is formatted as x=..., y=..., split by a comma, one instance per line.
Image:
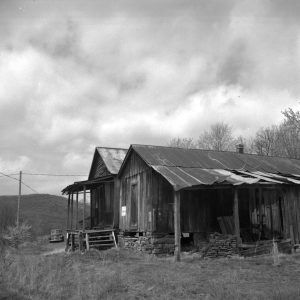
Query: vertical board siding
x=135, y=172
x=98, y=168
x=291, y=213
x=116, y=204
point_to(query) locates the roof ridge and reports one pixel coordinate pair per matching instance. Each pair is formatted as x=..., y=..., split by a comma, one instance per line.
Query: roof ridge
x=218, y=151
x=115, y=148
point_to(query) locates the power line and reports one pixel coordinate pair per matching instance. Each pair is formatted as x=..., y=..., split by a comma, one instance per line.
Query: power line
x=49, y=174
x=32, y=189
x=10, y=174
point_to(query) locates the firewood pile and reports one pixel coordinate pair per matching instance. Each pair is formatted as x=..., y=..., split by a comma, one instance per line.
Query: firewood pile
x=157, y=244
x=221, y=245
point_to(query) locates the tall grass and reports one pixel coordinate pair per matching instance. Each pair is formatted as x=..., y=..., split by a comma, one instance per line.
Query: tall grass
x=59, y=277
x=122, y=274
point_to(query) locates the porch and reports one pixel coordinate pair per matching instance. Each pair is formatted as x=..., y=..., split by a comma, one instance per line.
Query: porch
x=96, y=230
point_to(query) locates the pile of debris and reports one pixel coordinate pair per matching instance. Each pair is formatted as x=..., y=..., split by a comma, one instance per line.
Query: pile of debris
x=221, y=245
x=265, y=247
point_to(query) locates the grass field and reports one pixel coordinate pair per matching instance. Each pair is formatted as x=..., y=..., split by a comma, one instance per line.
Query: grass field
x=119, y=274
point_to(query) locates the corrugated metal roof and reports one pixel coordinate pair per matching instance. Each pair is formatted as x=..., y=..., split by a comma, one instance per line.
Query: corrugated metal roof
x=112, y=157
x=192, y=167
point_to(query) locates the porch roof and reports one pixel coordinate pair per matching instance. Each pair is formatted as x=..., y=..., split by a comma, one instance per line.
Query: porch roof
x=78, y=186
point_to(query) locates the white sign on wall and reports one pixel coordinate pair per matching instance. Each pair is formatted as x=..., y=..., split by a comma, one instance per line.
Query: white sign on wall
x=123, y=211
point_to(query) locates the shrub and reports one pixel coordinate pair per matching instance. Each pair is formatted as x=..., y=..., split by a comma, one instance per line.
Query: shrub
x=17, y=235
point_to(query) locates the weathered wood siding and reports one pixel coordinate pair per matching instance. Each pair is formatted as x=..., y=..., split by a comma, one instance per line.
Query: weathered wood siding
x=163, y=204
x=98, y=168
x=291, y=213
x=279, y=209
x=200, y=209
x=102, y=205
x=136, y=172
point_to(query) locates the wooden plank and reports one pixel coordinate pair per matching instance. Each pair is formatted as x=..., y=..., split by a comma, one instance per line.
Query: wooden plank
x=295, y=219
x=76, y=226
x=260, y=209
x=87, y=241
x=72, y=210
x=298, y=211
x=117, y=199
x=83, y=212
x=222, y=225
x=113, y=234
x=236, y=216
x=177, y=229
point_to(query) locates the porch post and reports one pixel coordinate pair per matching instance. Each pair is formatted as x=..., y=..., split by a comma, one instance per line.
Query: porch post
x=76, y=225
x=177, y=229
x=72, y=210
x=68, y=217
x=236, y=216
x=83, y=213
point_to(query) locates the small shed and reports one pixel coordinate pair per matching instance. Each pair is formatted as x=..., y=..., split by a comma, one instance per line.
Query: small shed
x=169, y=195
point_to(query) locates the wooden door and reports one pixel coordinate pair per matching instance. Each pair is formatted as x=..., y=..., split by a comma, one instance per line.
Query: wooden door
x=134, y=206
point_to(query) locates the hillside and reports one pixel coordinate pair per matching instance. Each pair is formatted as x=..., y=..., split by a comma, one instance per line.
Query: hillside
x=42, y=211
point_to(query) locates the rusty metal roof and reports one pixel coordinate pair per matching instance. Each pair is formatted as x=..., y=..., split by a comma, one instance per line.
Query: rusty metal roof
x=185, y=168
x=112, y=157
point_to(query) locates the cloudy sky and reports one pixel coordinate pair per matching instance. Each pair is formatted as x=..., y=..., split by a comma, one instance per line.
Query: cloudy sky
x=76, y=74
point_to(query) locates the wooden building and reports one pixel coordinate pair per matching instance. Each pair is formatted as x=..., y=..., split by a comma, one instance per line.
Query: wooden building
x=103, y=187
x=169, y=195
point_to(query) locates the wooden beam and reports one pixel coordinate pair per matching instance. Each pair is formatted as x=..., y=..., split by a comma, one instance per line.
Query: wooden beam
x=72, y=210
x=83, y=213
x=76, y=225
x=68, y=216
x=177, y=229
x=260, y=209
x=236, y=216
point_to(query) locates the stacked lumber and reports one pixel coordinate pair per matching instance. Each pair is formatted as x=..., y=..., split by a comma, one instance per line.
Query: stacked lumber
x=221, y=245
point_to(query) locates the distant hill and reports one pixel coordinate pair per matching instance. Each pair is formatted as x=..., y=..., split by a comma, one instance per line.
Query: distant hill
x=42, y=211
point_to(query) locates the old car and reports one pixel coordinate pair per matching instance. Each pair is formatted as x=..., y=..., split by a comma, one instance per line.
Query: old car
x=56, y=235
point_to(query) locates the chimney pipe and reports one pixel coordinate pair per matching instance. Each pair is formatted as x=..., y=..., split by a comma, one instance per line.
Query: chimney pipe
x=240, y=148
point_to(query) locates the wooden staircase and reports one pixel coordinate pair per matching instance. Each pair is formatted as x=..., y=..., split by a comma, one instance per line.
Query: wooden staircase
x=100, y=239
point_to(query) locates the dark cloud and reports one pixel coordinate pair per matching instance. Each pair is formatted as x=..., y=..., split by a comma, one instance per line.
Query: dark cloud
x=76, y=74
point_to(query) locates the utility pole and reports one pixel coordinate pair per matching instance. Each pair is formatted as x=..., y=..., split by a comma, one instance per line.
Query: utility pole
x=19, y=198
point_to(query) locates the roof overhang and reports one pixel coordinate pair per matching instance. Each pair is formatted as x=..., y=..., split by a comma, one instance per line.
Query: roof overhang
x=86, y=184
x=190, y=178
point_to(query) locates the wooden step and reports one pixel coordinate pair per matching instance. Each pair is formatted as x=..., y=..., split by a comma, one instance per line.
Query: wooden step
x=101, y=245
x=100, y=238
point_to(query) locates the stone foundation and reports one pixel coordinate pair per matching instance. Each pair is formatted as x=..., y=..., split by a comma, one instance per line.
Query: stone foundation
x=221, y=245
x=150, y=243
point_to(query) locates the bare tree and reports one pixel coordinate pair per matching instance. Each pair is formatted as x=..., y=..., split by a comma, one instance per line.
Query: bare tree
x=289, y=133
x=218, y=137
x=178, y=142
x=266, y=141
